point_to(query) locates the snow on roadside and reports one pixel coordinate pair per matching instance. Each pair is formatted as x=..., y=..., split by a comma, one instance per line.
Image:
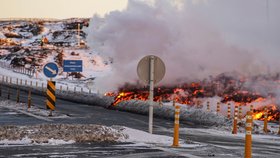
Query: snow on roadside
x=32, y=111
x=147, y=139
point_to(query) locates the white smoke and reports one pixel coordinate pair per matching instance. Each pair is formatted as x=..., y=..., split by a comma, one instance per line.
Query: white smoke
x=190, y=46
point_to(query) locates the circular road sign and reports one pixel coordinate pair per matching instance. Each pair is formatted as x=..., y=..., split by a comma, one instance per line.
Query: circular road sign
x=143, y=69
x=50, y=70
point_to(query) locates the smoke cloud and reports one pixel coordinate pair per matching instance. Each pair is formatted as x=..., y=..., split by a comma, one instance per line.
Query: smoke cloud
x=191, y=47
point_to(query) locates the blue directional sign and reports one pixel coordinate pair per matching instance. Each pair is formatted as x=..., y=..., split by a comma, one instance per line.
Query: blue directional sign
x=72, y=65
x=50, y=70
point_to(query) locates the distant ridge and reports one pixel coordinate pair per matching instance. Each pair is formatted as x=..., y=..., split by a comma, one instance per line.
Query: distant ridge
x=40, y=19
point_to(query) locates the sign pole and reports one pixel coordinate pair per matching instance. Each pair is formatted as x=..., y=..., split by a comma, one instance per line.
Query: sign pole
x=151, y=94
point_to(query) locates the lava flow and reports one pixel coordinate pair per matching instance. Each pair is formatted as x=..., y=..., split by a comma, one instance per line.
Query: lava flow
x=229, y=89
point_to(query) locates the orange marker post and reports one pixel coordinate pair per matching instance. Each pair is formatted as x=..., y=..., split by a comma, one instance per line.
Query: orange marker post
x=265, y=130
x=218, y=107
x=208, y=106
x=228, y=111
x=240, y=112
x=234, y=129
x=279, y=126
x=176, y=127
x=251, y=108
x=248, y=136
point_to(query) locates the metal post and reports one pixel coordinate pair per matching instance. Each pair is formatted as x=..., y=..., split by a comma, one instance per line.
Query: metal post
x=151, y=94
x=78, y=36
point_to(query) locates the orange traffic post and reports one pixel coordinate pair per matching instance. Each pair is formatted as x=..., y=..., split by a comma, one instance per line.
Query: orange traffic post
x=228, y=111
x=279, y=126
x=252, y=108
x=248, y=135
x=218, y=107
x=208, y=106
x=234, y=129
x=176, y=127
x=265, y=130
x=240, y=112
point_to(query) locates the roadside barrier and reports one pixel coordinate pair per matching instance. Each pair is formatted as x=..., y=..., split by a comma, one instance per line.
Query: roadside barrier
x=29, y=99
x=18, y=95
x=9, y=93
x=234, y=129
x=265, y=130
x=248, y=135
x=218, y=107
x=176, y=127
x=51, y=96
x=228, y=111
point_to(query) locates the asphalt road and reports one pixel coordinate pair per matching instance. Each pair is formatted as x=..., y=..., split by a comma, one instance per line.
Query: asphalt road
x=211, y=145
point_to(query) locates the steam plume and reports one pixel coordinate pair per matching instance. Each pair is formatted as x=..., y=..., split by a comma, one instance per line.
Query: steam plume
x=190, y=47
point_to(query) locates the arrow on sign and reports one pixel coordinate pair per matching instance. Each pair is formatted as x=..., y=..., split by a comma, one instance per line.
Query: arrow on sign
x=51, y=70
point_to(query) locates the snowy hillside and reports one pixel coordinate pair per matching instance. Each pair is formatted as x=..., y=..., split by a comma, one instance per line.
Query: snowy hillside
x=32, y=44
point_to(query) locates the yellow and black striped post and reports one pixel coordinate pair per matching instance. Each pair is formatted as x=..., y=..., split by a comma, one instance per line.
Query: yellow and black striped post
x=228, y=111
x=51, y=95
x=265, y=129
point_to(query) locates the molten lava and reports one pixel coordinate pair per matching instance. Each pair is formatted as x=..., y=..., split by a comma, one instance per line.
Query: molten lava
x=229, y=89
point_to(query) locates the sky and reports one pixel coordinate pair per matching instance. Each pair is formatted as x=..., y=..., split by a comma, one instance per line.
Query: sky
x=59, y=9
